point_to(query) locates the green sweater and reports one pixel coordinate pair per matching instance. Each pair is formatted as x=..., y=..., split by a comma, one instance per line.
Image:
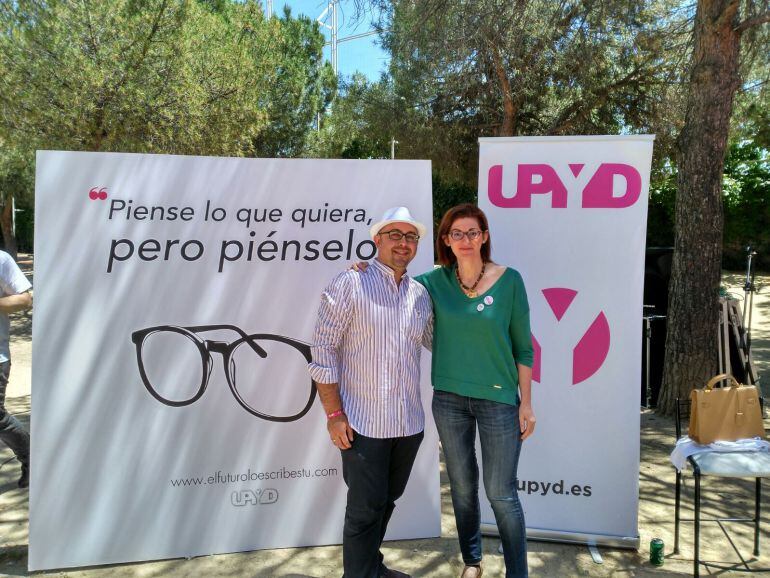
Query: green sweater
x=478, y=341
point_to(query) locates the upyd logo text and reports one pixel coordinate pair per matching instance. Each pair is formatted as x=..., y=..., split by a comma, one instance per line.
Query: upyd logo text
x=254, y=497
x=610, y=186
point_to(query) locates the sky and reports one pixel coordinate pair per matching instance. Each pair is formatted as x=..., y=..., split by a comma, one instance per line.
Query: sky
x=363, y=54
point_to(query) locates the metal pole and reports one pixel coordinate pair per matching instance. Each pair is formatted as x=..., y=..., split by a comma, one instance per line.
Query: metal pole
x=335, y=40
x=393, y=143
x=647, y=340
x=331, y=7
x=748, y=304
x=269, y=9
x=334, y=37
x=748, y=287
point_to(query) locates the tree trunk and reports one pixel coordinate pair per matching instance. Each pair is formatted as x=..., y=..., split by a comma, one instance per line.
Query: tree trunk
x=691, y=339
x=6, y=225
x=508, y=126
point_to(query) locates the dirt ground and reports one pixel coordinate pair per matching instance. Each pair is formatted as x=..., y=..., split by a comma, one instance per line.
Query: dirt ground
x=439, y=557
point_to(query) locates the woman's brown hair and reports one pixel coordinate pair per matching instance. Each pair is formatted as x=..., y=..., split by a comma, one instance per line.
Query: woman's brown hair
x=445, y=255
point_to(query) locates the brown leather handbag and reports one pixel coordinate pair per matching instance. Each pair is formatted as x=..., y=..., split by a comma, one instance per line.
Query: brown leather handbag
x=725, y=413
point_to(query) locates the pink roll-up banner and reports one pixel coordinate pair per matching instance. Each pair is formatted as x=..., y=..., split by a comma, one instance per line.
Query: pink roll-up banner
x=570, y=214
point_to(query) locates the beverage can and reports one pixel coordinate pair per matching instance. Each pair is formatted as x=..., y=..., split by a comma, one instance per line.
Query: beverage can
x=656, y=552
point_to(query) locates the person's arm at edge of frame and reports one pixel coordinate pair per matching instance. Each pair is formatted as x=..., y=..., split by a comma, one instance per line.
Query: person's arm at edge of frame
x=523, y=355
x=17, y=302
x=526, y=414
x=333, y=320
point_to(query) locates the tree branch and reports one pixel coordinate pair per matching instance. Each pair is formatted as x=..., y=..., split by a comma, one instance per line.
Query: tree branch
x=753, y=21
x=91, y=34
x=581, y=108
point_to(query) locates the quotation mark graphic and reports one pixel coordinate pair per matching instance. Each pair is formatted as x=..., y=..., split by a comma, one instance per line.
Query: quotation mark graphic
x=592, y=349
x=98, y=193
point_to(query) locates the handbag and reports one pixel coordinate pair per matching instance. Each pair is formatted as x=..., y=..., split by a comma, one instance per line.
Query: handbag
x=725, y=413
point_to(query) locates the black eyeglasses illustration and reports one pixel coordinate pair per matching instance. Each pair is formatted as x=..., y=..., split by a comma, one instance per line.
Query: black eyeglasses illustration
x=185, y=341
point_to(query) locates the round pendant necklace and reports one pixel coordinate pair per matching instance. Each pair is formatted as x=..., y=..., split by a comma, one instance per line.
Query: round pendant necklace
x=470, y=291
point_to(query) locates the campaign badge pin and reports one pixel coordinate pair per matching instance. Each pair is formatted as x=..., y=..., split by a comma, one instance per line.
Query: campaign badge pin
x=480, y=307
x=489, y=300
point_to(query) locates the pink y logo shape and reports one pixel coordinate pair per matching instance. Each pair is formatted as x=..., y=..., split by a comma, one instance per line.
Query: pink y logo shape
x=592, y=349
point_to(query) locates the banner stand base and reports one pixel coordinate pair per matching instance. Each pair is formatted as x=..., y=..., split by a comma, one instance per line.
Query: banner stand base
x=543, y=535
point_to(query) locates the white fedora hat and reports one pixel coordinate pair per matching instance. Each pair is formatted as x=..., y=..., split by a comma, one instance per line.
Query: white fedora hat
x=397, y=215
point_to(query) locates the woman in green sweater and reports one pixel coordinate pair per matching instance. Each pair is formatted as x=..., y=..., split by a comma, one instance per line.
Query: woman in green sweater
x=482, y=374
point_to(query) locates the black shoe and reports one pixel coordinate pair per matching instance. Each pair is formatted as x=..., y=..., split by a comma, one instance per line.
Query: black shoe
x=24, y=479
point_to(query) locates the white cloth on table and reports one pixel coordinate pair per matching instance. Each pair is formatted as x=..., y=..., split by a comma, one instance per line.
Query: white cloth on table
x=685, y=447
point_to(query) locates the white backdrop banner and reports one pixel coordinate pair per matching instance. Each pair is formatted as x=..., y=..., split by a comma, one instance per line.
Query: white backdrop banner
x=175, y=296
x=570, y=214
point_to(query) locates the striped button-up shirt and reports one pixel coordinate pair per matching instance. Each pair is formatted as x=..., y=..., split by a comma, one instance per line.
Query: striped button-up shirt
x=368, y=339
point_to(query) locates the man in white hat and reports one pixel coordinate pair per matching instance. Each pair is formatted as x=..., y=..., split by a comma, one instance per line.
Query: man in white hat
x=366, y=363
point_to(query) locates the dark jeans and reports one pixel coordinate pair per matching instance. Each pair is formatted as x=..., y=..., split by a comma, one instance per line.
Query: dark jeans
x=457, y=418
x=376, y=472
x=11, y=431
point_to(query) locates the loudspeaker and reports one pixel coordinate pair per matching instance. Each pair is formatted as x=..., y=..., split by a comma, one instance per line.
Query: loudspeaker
x=657, y=275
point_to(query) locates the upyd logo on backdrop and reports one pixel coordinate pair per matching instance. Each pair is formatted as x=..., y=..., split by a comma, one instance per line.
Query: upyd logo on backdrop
x=589, y=353
x=256, y=497
x=609, y=186
x=598, y=189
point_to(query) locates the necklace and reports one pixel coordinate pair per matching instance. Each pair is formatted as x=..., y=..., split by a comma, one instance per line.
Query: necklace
x=470, y=291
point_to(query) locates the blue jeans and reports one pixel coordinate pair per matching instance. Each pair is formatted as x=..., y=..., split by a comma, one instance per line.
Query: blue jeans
x=457, y=418
x=11, y=431
x=376, y=472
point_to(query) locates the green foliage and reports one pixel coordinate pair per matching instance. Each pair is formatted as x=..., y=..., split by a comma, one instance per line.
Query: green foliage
x=303, y=86
x=169, y=76
x=16, y=180
x=447, y=194
x=534, y=67
x=660, y=213
x=751, y=111
x=204, y=77
x=751, y=118
x=15, y=172
x=746, y=193
x=363, y=118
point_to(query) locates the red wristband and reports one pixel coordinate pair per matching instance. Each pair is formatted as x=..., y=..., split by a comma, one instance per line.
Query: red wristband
x=334, y=414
